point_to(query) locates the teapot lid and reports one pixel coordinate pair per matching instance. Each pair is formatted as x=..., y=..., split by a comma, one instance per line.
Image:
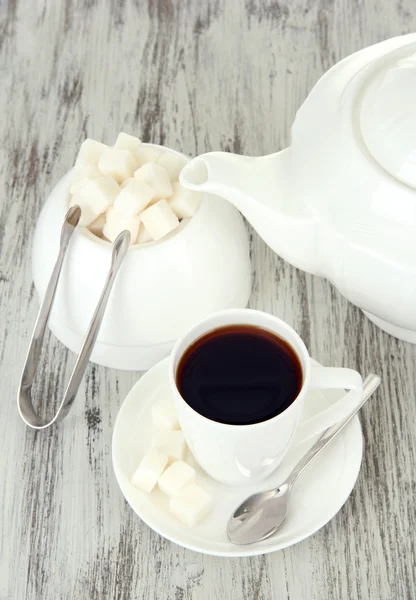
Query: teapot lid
x=388, y=118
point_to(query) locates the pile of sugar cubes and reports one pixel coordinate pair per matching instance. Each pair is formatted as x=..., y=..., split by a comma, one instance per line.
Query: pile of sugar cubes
x=130, y=186
x=164, y=465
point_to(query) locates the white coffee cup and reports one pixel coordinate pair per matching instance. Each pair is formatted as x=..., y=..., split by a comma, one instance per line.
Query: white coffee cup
x=241, y=454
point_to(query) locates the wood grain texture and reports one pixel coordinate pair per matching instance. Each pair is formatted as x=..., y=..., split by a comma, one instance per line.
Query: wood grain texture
x=217, y=74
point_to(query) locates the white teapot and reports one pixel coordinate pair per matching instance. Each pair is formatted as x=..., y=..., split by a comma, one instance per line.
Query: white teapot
x=341, y=200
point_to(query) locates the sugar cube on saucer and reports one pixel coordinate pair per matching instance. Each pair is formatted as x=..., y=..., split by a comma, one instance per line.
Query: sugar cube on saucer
x=157, y=178
x=83, y=175
x=159, y=219
x=164, y=415
x=117, y=163
x=99, y=194
x=171, y=443
x=149, y=470
x=191, y=504
x=173, y=163
x=116, y=223
x=90, y=152
x=176, y=477
x=133, y=198
x=126, y=141
x=184, y=202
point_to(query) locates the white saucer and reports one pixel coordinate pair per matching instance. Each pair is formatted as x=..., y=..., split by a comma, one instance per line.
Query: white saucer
x=317, y=496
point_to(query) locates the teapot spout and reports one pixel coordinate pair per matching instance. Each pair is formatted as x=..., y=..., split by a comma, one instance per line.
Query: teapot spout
x=259, y=188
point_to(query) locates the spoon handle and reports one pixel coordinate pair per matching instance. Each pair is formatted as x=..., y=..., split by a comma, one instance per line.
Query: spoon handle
x=370, y=384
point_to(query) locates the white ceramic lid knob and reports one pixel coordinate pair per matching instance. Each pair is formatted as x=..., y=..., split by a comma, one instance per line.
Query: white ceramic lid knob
x=388, y=117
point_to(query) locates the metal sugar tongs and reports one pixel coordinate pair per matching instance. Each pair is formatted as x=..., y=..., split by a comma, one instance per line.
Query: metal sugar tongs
x=24, y=397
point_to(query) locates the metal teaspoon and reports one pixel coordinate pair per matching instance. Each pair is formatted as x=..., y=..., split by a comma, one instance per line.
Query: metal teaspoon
x=261, y=515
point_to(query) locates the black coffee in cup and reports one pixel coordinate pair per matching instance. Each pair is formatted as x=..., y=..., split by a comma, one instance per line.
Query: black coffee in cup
x=239, y=375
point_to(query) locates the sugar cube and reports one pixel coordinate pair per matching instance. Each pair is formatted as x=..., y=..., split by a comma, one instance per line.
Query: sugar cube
x=143, y=236
x=82, y=176
x=96, y=227
x=173, y=163
x=133, y=198
x=157, y=178
x=134, y=180
x=149, y=470
x=184, y=202
x=159, y=219
x=90, y=152
x=176, y=477
x=117, y=163
x=147, y=154
x=99, y=194
x=87, y=214
x=126, y=141
x=126, y=182
x=116, y=223
x=164, y=415
x=191, y=504
x=172, y=443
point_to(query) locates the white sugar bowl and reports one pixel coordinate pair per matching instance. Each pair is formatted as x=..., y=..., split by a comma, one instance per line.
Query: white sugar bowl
x=163, y=287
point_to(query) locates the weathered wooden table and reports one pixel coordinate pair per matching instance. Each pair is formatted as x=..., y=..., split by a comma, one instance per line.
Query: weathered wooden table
x=195, y=75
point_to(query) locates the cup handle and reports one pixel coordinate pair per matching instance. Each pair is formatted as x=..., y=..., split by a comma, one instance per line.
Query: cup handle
x=331, y=378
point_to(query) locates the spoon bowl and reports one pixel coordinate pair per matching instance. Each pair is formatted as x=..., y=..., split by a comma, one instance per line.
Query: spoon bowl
x=259, y=516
